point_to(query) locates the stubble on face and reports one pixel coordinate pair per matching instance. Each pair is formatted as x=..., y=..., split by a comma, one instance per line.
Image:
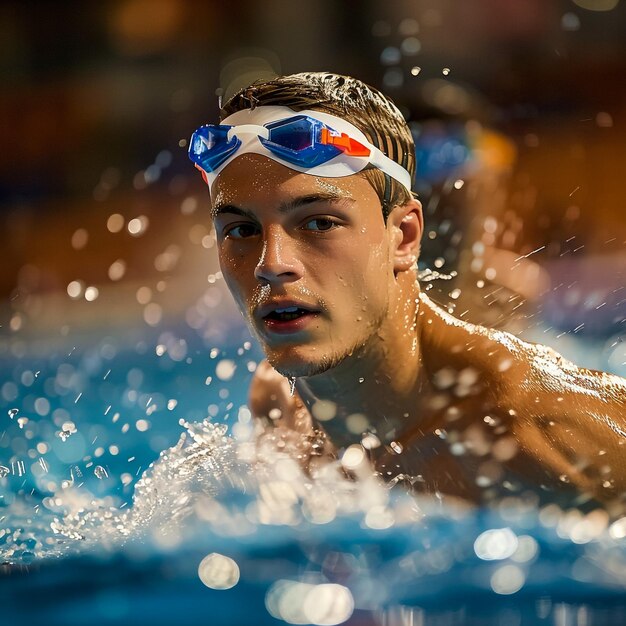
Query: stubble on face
x=303, y=362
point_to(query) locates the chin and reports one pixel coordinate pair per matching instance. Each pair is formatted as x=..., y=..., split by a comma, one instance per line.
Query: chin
x=301, y=366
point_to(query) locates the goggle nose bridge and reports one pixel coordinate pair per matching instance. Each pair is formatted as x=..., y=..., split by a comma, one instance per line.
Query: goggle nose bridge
x=248, y=129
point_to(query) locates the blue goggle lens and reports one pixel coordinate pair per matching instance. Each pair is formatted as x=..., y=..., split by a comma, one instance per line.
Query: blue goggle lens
x=210, y=147
x=294, y=135
x=296, y=141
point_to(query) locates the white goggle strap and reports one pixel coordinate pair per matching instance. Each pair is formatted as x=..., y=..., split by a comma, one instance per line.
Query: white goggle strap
x=385, y=164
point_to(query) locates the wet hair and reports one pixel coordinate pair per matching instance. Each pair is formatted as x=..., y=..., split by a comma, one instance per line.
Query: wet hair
x=363, y=106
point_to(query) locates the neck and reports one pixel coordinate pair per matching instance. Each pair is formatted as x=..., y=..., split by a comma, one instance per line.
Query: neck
x=382, y=383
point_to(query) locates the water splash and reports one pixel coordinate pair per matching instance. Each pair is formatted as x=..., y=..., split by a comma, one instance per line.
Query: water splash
x=196, y=482
x=428, y=275
x=212, y=487
x=199, y=463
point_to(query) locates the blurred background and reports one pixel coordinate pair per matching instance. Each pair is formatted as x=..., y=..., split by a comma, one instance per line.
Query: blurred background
x=115, y=325
x=518, y=108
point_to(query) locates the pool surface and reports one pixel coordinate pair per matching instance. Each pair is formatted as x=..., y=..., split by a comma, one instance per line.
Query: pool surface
x=132, y=495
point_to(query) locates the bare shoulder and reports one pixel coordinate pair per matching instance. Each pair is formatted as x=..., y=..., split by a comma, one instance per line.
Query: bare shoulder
x=519, y=374
x=570, y=422
x=496, y=358
x=559, y=375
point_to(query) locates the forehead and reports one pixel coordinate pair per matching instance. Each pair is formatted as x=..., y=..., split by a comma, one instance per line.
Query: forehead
x=252, y=179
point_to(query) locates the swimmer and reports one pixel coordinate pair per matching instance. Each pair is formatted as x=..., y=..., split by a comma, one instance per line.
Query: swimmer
x=318, y=235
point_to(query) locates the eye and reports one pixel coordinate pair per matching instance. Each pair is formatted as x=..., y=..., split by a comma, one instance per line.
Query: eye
x=241, y=231
x=320, y=224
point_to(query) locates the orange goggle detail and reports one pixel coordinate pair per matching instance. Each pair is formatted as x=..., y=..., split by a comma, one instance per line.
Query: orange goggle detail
x=346, y=144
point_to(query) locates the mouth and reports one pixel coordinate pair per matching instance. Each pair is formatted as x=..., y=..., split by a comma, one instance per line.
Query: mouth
x=287, y=318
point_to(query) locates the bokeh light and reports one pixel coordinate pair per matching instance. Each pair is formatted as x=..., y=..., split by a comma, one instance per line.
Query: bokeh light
x=218, y=571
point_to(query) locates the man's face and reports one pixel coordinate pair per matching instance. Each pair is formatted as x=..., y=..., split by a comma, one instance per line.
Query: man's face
x=307, y=259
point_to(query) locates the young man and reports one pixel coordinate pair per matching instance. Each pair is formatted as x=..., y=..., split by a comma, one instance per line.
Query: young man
x=318, y=237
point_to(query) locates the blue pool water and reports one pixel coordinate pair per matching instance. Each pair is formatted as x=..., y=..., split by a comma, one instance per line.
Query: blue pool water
x=83, y=420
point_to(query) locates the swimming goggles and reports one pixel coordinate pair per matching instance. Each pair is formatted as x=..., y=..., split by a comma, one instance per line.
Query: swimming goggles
x=311, y=142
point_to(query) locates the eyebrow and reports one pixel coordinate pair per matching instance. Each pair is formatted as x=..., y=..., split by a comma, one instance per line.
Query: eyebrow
x=285, y=207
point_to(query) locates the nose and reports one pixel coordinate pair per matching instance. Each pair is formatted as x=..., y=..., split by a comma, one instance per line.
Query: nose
x=279, y=260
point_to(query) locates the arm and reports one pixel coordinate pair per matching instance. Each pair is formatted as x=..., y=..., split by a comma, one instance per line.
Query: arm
x=270, y=400
x=573, y=422
x=285, y=416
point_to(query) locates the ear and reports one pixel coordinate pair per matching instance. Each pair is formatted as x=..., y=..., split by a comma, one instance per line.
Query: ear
x=406, y=222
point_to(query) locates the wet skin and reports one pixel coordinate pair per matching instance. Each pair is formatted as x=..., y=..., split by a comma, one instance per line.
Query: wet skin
x=458, y=409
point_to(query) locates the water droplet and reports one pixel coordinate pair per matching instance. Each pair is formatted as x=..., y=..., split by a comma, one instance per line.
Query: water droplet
x=217, y=571
x=324, y=410
x=138, y=225
x=4, y=471
x=225, y=369
x=80, y=239
x=115, y=223
x=415, y=70
x=445, y=71
x=316, y=443
x=91, y=293
x=408, y=26
x=13, y=412
x=393, y=77
x=604, y=119
x=370, y=441
x=64, y=434
x=275, y=413
x=390, y=56
x=396, y=447
x=411, y=46
x=570, y=22
x=117, y=269
x=100, y=472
